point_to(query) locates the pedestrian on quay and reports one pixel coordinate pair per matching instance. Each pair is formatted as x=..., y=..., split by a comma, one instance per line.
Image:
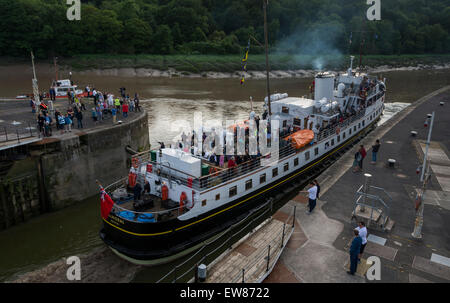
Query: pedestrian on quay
x=61, y=122
x=131, y=105
x=375, y=149
x=40, y=122
x=125, y=110
x=363, y=152
x=79, y=116
x=117, y=104
x=362, y=230
x=136, y=102
x=114, y=114
x=312, y=196
x=68, y=123
x=318, y=189
x=356, y=162
x=33, y=106
x=355, y=249
x=94, y=116
x=47, y=125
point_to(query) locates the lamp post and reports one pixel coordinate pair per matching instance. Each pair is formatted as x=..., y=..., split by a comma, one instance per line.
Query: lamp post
x=424, y=178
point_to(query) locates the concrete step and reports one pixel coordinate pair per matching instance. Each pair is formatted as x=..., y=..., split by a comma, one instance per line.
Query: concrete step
x=389, y=225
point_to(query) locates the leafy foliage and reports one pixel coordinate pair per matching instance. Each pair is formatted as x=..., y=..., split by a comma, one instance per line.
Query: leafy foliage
x=222, y=27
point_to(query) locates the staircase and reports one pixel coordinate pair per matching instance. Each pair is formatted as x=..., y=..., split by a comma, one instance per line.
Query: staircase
x=372, y=209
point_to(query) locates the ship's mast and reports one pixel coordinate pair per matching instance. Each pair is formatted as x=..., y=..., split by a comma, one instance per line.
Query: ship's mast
x=37, y=100
x=266, y=38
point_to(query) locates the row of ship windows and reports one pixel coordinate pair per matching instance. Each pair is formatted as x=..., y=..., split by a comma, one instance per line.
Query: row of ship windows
x=263, y=177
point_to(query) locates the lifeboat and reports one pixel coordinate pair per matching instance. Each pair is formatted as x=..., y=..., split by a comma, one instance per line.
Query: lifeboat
x=301, y=138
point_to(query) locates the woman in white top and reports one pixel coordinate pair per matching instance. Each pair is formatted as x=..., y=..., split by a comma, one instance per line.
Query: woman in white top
x=363, y=234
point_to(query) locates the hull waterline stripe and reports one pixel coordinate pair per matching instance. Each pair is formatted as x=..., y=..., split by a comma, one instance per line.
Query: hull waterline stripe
x=245, y=200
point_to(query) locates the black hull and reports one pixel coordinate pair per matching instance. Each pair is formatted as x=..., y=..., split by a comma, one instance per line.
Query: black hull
x=153, y=241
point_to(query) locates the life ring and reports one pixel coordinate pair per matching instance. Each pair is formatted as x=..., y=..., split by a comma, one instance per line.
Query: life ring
x=183, y=199
x=135, y=162
x=132, y=177
x=213, y=171
x=164, y=193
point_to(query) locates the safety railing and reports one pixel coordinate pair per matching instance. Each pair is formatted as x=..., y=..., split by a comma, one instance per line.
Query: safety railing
x=373, y=202
x=263, y=263
x=225, y=239
x=15, y=134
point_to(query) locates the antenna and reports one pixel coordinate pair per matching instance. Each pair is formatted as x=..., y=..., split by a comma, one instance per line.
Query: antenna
x=266, y=38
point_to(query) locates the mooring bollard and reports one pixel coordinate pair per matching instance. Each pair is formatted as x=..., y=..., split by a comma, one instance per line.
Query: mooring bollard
x=202, y=272
x=413, y=133
x=392, y=163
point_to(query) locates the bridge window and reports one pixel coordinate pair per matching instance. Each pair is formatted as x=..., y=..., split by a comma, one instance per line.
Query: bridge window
x=316, y=151
x=307, y=156
x=339, y=138
x=286, y=167
x=217, y=197
x=204, y=203
x=233, y=191
x=332, y=142
x=296, y=162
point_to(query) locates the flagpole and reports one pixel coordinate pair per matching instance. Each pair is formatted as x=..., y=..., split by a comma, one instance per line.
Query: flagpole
x=266, y=38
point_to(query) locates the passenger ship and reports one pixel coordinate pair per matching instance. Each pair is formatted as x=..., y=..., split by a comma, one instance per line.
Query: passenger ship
x=192, y=200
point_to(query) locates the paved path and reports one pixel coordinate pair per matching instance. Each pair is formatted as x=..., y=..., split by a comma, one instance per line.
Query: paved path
x=321, y=254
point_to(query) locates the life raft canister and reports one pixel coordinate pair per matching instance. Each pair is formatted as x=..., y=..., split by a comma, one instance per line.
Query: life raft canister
x=183, y=200
x=149, y=168
x=165, y=193
x=189, y=181
x=132, y=179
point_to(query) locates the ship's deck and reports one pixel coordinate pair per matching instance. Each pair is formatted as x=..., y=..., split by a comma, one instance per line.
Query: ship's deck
x=150, y=205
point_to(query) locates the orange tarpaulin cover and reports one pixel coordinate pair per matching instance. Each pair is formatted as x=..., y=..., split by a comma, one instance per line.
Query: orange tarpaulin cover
x=301, y=138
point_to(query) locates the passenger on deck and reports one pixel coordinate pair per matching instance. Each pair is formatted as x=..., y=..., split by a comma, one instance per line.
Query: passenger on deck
x=137, y=191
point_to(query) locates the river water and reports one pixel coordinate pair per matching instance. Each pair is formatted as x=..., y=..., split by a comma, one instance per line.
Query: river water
x=171, y=103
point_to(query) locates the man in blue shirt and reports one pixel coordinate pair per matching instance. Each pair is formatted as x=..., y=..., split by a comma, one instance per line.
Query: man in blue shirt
x=355, y=249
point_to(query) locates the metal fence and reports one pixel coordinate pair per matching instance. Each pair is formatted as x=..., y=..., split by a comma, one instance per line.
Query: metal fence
x=15, y=133
x=225, y=239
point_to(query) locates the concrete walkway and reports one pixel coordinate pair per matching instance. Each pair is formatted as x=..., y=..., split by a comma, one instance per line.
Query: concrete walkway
x=322, y=254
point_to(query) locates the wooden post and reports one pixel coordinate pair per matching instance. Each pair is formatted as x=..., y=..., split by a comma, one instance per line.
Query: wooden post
x=243, y=272
x=268, y=258
x=293, y=220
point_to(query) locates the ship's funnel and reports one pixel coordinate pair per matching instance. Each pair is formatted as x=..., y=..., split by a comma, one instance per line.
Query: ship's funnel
x=324, y=86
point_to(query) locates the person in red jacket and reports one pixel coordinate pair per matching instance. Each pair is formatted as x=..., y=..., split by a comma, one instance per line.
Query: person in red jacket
x=363, y=153
x=125, y=109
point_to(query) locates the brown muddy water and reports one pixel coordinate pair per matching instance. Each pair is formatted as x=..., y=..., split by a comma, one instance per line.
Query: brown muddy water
x=171, y=103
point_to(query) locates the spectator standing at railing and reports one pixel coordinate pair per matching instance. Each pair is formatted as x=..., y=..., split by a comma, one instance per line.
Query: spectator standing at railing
x=68, y=123
x=41, y=121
